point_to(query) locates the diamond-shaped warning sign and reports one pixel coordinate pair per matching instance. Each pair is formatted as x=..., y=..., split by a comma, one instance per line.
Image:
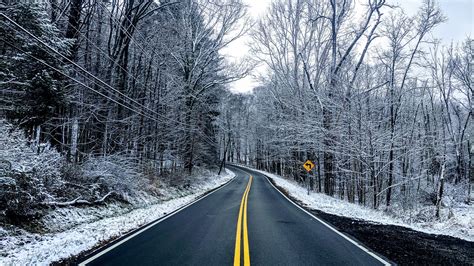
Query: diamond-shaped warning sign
x=308, y=165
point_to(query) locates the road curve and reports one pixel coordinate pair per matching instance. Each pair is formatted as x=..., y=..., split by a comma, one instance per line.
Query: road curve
x=205, y=233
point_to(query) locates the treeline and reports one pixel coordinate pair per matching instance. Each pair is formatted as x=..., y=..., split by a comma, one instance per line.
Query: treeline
x=138, y=78
x=365, y=92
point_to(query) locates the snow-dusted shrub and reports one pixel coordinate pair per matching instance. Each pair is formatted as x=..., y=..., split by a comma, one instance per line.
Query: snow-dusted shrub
x=26, y=157
x=34, y=175
x=114, y=173
x=21, y=201
x=39, y=178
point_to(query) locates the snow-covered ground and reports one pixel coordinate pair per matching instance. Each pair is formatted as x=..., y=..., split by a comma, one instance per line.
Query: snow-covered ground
x=460, y=225
x=92, y=226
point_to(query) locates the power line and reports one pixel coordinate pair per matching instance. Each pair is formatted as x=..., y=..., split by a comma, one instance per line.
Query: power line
x=79, y=82
x=114, y=63
x=206, y=139
x=108, y=56
x=132, y=39
x=127, y=32
x=81, y=68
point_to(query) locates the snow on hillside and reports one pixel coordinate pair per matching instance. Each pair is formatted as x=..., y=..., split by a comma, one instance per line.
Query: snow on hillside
x=19, y=247
x=460, y=225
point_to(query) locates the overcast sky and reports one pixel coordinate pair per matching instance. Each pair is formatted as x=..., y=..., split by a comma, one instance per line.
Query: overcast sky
x=457, y=28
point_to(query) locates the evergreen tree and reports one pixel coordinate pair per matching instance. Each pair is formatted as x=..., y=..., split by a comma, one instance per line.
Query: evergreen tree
x=33, y=89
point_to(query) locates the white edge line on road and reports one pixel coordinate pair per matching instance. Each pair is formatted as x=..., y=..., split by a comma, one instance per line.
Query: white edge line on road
x=159, y=220
x=321, y=221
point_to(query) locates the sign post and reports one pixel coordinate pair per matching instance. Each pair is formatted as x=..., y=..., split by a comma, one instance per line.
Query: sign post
x=308, y=165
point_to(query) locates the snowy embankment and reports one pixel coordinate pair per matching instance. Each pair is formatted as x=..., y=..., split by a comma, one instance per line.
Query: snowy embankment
x=460, y=225
x=18, y=247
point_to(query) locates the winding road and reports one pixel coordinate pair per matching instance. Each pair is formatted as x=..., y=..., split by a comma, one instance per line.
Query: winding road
x=247, y=221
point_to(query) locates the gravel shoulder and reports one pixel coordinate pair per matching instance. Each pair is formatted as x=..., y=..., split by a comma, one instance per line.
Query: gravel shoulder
x=403, y=245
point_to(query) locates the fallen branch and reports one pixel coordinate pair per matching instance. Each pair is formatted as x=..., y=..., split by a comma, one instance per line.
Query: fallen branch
x=78, y=201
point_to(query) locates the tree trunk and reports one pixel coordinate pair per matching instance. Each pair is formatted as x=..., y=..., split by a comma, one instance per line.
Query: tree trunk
x=439, y=195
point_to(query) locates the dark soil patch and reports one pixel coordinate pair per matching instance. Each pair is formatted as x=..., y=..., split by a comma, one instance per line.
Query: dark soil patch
x=399, y=244
x=403, y=245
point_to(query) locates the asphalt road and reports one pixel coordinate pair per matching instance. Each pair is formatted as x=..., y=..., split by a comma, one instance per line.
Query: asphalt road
x=228, y=227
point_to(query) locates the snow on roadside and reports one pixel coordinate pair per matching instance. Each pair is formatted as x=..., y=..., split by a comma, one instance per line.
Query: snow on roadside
x=18, y=247
x=461, y=225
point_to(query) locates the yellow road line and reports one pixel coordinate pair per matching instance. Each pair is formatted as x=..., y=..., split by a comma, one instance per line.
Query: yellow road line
x=246, y=237
x=238, y=236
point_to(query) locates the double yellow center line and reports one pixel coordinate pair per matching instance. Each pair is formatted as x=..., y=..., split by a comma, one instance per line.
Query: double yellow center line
x=243, y=227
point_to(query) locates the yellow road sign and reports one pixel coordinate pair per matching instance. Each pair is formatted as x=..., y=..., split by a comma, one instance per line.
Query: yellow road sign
x=308, y=165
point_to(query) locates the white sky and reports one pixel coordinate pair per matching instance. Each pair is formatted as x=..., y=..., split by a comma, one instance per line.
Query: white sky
x=457, y=28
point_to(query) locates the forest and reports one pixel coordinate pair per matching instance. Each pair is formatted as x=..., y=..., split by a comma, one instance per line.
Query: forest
x=382, y=108
x=133, y=83
x=102, y=99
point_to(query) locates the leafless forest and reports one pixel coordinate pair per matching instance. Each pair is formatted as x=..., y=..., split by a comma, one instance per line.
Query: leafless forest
x=365, y=92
